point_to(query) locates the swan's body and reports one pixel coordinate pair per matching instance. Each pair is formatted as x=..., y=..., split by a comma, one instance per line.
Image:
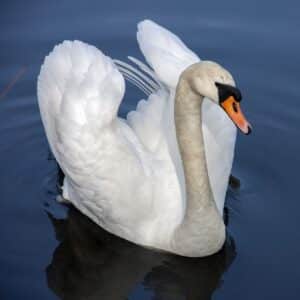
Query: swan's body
x=158, y=178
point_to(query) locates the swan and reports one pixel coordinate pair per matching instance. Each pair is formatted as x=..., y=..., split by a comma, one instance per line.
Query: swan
x=157, y=178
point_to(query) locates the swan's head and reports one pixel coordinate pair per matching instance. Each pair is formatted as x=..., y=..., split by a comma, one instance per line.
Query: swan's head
x=211, y=80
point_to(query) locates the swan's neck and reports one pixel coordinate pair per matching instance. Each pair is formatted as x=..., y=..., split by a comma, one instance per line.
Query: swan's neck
x=202, y=231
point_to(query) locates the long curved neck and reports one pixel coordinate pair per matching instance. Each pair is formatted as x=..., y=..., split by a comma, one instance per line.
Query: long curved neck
x=202, y=230
x=188, y=123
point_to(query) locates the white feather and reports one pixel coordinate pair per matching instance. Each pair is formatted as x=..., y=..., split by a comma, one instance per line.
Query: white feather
x=164, y=52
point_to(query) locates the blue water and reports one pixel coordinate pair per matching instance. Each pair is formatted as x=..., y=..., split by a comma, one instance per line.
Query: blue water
x=50, y=252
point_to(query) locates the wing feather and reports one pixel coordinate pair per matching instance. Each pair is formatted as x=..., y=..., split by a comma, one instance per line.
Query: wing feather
x=79, y=89
x=148, y=120
x=164, y=52
x=79, y=93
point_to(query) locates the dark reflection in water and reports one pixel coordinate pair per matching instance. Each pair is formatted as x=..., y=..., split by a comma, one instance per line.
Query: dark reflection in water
x=90, y=263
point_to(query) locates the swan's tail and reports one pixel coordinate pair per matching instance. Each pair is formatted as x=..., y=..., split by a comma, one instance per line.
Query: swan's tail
x=79, y=92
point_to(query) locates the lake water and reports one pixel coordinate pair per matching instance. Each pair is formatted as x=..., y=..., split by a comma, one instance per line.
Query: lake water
x=50, y=252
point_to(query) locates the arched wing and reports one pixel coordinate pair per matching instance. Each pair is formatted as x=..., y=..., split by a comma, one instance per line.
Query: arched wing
x=164, y=52
x=153, y=119
x=79, y=92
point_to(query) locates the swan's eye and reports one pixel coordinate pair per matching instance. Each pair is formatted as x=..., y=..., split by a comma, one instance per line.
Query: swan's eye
x=234, y=106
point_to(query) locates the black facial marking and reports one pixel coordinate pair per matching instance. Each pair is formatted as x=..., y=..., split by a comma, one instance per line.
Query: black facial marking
x=226, y=90
x=234, y=106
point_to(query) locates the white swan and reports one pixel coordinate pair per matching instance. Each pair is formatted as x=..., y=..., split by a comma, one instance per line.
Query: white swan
x=159, y=177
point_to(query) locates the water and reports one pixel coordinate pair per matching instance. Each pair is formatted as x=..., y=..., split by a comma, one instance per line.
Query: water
x=46, y=256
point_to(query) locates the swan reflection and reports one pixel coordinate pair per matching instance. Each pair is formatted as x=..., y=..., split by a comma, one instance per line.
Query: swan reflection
x=90, y=263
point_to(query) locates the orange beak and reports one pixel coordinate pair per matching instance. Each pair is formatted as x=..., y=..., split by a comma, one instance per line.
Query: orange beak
x=233, y=110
